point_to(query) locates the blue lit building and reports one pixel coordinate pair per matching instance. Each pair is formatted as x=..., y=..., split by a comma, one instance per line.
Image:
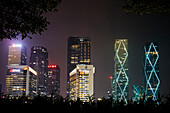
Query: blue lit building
x=138, y=92
x=151, y=70
x=120, y=76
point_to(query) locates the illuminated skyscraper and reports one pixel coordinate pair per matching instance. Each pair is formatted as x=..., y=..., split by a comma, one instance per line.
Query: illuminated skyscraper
x=21, y=81
x=78, y=53
x=151, y=70
x=17, y=54
x=138, y=92
x=82, y=82
x=39, y=62
x=53, y=79
x=120, y=76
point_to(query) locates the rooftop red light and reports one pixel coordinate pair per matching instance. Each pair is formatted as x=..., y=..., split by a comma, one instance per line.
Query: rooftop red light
x=52, y=66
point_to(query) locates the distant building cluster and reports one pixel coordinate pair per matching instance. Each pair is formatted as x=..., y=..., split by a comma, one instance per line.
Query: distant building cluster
x=37, y=78
x=42, y=78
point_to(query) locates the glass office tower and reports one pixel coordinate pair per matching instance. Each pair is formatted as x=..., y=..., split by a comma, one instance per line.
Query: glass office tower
x=17, y=54
x=120, y=76
x=79, y=49
x=21, y=81
x=53, y=79
x=151, y=70
x=39, y=62
x=82, y=82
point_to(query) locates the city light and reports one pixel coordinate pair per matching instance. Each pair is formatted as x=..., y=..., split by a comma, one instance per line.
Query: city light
x=16, y=45
x=14, y=70
x=52, y=66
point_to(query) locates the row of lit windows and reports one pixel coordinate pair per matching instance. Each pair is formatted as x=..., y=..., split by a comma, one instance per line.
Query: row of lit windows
x=152, y=53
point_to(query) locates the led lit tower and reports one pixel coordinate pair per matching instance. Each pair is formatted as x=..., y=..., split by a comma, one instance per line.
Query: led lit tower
x=138, y=92
x=120, y=76
x=17, y=54
x=39, y=62
x=78, y=53
x=151, y=70
x=53, y=79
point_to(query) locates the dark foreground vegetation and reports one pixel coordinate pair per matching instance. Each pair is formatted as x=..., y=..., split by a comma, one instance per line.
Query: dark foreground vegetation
x=58, y=104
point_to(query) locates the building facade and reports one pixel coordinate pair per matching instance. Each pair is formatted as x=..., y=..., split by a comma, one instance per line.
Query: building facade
x=79, y=52
x=138, y=92
x=53, y=79
x=151, y=70
x=120, y=76
x=17, y=54
x=39, y=62
x=21, y=81
x=82, y=82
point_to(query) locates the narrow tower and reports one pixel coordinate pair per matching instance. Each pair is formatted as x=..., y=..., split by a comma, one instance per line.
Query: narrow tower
x=151, y=70
x=120, y=76
x=39, y=62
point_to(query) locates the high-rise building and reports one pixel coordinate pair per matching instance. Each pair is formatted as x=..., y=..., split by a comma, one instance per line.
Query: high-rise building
x=17, y=54
x=151, y=70
x=82, y=82
x=21, y=81
x=138, y=92
x=120, y=76
x=39, y=62
x=53, y=79
x=79, y=49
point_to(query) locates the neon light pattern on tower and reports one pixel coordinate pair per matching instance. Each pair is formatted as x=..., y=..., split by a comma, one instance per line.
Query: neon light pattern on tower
x=138, y=92
x=151, y=70
x=120, y=76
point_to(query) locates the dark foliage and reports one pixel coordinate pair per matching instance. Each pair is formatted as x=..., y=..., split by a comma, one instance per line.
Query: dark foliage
x=24, y=17
x=146, y=6
x=59, y=104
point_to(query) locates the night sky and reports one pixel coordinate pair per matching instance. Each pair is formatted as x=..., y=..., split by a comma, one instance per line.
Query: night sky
x=103, y=21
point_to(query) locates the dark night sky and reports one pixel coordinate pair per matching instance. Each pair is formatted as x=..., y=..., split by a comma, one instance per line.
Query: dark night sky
x=103, y=21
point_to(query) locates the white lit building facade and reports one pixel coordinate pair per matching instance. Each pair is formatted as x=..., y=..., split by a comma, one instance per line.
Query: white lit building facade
x=82, y=82
x=17, y=54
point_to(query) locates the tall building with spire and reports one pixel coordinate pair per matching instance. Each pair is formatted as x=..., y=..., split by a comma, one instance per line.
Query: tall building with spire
x=79, y=52
x=120, y=76
x=39, y=62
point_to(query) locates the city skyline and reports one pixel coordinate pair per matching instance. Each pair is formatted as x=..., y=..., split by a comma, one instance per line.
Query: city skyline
x=120, y=82
x=103, y=22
